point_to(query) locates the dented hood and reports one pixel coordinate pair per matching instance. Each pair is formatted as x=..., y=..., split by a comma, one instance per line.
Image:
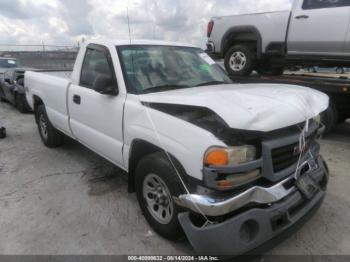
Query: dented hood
x=258, y=107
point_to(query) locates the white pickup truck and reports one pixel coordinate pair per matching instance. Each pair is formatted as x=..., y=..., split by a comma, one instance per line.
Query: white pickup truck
x=314, y=32
x=218, y=161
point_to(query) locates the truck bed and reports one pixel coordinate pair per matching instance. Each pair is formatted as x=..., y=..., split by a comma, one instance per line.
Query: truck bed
x=52, y=87
x=58, y=73
x=272, y=25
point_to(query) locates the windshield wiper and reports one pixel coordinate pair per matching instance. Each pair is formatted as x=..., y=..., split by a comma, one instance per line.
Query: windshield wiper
x=212, y=83
x=163, y=88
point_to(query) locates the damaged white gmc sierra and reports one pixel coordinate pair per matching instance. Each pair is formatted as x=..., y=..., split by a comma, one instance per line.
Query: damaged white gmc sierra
x=233, y=167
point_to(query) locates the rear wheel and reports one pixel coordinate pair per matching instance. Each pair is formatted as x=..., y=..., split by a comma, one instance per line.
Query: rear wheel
x=156, y=183
x=239, y=61
x=50, y=136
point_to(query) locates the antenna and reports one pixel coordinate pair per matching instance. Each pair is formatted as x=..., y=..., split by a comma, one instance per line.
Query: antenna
x=127, y=14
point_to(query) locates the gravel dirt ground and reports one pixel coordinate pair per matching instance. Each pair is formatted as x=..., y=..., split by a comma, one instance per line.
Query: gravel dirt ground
x=71, y=201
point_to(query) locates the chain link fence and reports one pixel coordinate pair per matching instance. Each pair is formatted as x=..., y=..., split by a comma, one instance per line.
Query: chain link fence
x=47, y=57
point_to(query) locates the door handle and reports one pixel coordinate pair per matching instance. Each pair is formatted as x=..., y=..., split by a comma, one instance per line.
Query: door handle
x=302, y=17
x=77, y=99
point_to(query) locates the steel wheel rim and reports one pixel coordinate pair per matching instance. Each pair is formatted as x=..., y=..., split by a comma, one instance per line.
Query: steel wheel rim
x=43, y=127
x=158, y=198
x=238, y=61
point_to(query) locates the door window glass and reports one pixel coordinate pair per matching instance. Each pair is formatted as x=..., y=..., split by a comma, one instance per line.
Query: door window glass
x=95, y=63
x=317, y=4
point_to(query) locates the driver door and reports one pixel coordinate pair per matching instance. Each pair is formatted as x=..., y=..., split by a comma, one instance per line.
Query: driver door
x=97, y=119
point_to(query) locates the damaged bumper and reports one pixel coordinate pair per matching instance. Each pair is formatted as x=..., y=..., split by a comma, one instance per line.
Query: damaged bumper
x=283, y=209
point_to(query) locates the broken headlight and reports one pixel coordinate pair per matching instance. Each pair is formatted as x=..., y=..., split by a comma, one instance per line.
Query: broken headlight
x=230, y=157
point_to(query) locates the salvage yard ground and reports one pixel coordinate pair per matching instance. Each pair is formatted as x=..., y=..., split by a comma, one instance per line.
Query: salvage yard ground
x=71, y=201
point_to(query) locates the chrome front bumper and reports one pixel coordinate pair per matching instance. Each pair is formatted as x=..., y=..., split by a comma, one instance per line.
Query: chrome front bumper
x=214, y=205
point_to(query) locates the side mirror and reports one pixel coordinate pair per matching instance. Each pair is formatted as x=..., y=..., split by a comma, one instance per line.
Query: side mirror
x=105, y=84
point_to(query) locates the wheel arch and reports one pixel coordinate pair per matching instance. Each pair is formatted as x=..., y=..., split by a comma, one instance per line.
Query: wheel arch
x=37, y=101
x=241, y=34
x=139, y=149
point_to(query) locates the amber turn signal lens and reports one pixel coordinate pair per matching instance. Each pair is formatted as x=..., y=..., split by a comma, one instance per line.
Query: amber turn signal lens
x=217, y=157
x=224, y=184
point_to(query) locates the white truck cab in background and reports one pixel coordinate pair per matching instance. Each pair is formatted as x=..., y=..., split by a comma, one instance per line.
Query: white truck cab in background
x=196, y=146
x=314, y=32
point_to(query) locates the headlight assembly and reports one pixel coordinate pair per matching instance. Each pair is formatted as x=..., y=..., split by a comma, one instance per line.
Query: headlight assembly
x=236, y=155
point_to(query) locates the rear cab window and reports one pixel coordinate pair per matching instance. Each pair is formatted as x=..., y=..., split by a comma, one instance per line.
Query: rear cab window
x=318, y=4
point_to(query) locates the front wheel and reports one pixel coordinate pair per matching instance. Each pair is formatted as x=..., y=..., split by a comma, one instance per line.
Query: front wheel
x=50, y=136
x=239, y=61
x=156, y=183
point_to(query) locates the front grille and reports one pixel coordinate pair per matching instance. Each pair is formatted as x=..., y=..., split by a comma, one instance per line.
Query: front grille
x=285, y=157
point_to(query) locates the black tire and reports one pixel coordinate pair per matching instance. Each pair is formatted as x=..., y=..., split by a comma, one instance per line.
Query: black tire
x=21, y=103
x=159, y=164
x=270, y=71
x=248, y=67
x=52, y=137
x=330, y=119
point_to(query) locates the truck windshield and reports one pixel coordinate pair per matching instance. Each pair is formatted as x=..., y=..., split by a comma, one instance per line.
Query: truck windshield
x=151, y=69
x=7, y=63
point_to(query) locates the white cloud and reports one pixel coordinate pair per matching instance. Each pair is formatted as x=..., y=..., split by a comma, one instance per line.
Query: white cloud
x=66, y=21
x=58, y=24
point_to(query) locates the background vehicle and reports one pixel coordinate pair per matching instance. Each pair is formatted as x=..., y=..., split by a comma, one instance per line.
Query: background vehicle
x=12, y=89
x=5, y=64
x=314, y=32
x=205, y=156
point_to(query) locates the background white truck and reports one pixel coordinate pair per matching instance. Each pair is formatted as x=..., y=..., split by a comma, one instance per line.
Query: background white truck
x=218, y=161
x=314, y=32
